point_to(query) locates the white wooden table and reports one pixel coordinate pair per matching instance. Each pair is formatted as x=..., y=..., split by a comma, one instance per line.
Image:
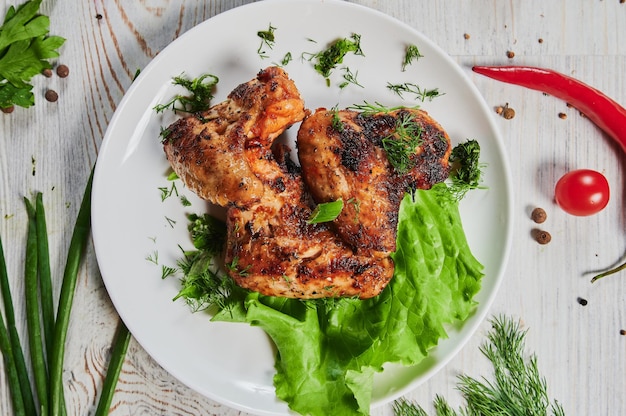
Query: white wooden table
x=52, y=147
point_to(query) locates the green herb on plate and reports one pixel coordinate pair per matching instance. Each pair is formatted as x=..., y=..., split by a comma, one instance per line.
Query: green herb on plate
x=411, y=54
x=201, y=94
x=267, y=39
x=421, y=94
x=327, y=60
x=466, y=169
x=402, y=144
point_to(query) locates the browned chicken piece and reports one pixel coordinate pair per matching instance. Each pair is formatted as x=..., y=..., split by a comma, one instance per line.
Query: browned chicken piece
x=274, y=250
x=226, y=156
x=209, y=151
x=343, y=156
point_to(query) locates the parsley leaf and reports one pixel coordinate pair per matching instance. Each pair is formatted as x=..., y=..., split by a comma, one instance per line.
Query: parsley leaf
x=25, y=48
x=326, y=211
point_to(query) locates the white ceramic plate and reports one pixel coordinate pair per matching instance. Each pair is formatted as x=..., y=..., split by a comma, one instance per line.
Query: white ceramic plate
x=234, y=363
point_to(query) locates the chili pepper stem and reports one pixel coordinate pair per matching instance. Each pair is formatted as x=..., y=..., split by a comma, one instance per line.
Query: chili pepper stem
x=609, y=272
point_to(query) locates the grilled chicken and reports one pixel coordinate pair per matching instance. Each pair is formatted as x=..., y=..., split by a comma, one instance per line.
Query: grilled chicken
x=343, y=157
x=274, y=250
x=228, y=157
x=215, y=153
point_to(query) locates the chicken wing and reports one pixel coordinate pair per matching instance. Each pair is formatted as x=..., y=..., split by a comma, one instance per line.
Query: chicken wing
x=213, y=152
x=345, y=155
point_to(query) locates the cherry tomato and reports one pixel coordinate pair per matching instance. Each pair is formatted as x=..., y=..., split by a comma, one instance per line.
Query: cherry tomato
x=582, y=192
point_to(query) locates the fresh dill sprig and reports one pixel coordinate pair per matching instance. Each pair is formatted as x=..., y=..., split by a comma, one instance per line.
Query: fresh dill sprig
x=201, y=90
x=234, y=267
x=368, y=108
x=349, y=78
x=168, y=191
x=328, y=59
x=167, y=271
x=267, y=39
x=286, y=59
x=402, y=144
x=165, y=134
x=170, y=221
x=153, y=257
x=411, y=54
x=202, y=285
x=518, y=388
x=421, y=94
x=406, y=137
x=336, y=122
x=207, y=233
x=466, y=169
x=185, y=201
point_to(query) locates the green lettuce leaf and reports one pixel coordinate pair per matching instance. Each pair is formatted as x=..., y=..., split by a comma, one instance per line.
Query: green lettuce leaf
x=329, y=350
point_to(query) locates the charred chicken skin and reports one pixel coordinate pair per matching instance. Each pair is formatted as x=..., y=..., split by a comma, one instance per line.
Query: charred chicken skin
x=228, y=157
x=343, y=156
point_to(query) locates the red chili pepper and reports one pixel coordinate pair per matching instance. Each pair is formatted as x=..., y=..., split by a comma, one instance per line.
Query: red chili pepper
x=606, y=113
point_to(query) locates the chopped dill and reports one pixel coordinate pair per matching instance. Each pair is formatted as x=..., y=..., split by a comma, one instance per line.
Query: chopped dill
x=349, y=78
x=201, y=89
x=328, y=59
x=153, y=257
x=402, y=144
x=336, y=123
x=356, y=204
x=203, y=284
x=411, y=54
x=164, y=134
x=466, y=170
x=421, y=94
x=267, y=39
x=233, y=266
x=207, y=233
x=167, y=271
x=167, y=192
x=368, y=108
x=286, y=59
x=185, y=201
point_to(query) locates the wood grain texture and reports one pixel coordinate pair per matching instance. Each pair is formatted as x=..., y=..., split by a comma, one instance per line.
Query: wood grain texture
x=52, y=147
